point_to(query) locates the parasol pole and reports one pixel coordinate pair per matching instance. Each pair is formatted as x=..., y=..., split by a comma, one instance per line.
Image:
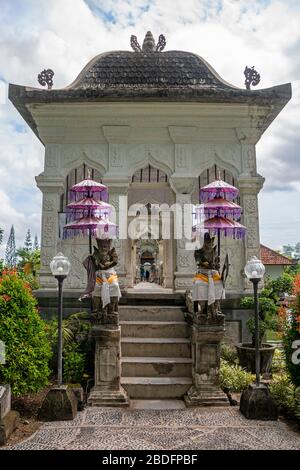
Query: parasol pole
x=219, y=243
x=90, y=240
x=89, y=212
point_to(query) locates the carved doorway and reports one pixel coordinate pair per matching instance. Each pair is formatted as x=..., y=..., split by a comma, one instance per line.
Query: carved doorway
x=150, y=188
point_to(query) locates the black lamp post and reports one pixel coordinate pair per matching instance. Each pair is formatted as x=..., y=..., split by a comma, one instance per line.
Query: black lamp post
x=60, y=268
x=255, y=271
x=256, y=402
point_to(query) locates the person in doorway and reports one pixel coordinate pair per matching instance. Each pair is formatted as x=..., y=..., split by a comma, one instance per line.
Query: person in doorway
x=142, y=273
x=153, y=273
x=147, y=275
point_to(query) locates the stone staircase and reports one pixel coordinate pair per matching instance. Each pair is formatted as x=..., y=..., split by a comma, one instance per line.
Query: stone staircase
x=156, y=351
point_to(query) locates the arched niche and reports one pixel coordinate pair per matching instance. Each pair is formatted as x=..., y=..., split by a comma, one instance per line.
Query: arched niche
x=149, y=174
x=75, y=176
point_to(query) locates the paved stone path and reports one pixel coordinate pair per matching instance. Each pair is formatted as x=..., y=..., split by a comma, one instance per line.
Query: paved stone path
x=156, y=429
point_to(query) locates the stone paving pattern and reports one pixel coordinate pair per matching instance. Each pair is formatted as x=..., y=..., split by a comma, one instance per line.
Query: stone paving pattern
x=173, y=429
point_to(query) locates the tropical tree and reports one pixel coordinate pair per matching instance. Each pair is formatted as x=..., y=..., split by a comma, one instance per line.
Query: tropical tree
x=10, y=252
x=28, y=241
x=288, y=250
x=36, y=245
x=29, y=261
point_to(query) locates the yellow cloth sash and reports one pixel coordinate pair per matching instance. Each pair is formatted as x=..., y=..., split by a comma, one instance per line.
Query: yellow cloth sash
x=204, y=277
x=112, y=278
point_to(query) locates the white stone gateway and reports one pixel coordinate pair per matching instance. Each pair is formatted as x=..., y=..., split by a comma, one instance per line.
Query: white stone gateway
x=154, y=126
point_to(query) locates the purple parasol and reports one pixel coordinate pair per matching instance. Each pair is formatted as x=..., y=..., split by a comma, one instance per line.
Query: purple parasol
x=219, y=207
x=218, y=188
x=92, y=226
x=87, y=206
x=88, y=211
x=229, y=228
x=91, y=188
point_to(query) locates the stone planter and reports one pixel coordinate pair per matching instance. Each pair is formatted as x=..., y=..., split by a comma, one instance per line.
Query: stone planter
x=246, y=354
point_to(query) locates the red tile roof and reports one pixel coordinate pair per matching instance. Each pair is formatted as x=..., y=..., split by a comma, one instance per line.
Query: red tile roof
x=269, y=256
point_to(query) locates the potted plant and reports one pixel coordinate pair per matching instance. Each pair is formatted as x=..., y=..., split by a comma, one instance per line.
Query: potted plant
x=268, y=321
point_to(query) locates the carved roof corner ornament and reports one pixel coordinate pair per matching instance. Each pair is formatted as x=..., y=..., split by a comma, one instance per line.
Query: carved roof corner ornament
x=148, y=43
x=252, y=77
x=46, y=78
x=134, y=44
x=161, y=43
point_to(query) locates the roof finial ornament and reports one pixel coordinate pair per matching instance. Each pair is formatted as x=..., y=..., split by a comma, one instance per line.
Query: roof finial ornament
x=46, y=78
x=252, y=77
x=148, y=44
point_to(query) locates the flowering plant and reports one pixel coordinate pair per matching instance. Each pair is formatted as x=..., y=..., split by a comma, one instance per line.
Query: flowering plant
x=27, y=349
x=291, y=336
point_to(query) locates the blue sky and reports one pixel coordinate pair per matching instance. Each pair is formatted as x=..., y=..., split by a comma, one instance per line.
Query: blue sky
x=65, y=34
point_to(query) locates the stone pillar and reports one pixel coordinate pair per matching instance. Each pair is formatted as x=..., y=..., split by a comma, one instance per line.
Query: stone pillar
x=118, y=199
x=249, y=187
x=206, y=337
x=52, y=187
x=185, y=263
x=117, y=180
x=9, y=419
x=249, y=184
x=107, y=390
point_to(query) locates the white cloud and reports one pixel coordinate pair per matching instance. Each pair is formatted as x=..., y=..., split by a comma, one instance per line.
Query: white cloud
x=229, y=34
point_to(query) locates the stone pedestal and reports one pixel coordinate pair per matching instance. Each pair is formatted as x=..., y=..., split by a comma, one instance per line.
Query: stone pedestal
x=206, y=337
x=8, y=419
x=107, y=390
x=257, y=403
x=60, y=404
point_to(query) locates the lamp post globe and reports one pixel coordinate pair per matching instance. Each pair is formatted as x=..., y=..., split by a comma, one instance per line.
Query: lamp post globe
x=60, y=267
x=254, y=269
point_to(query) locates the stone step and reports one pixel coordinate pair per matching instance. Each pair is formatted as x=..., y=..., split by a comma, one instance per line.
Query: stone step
x=152, y=329
x=156, y=387
x=150, y=313
x=156, y=366
x=157, y=347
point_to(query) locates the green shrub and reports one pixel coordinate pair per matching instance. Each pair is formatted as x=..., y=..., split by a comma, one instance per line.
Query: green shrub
x=229, y=353
x=292, y=333
x=278, y=362
x=73, y=366
x=24, y=334
x=233, y=378
x=273, y=290
x=78, y=354
x=30, y=279
x=283, y=392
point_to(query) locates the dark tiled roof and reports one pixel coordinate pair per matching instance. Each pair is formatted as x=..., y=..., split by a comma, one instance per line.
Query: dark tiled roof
x=150, y=69
x=269, y=256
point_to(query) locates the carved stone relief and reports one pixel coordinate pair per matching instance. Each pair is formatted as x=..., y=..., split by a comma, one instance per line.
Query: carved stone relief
x=116, y=155
x=250, y=205
x=76, y=254
x=252, y=232
x=51, y=155
x=47, y=254
x=49, y=231
x=158, y=155
x=48, y=204
x=93, y=155
x=181, y=158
